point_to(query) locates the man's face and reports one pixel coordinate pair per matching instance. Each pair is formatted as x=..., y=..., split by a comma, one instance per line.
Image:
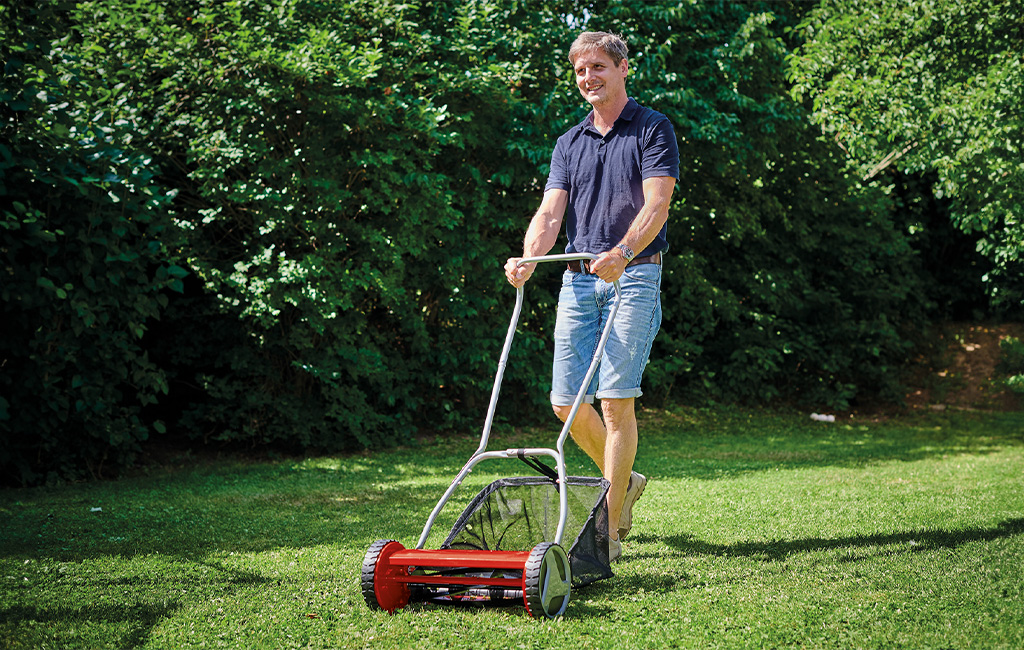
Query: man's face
x=600, y=81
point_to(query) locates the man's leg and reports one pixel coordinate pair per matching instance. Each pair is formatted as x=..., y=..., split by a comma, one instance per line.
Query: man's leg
x=611, y=444
x=584, y=305
x=619, y=454
x=587, y=430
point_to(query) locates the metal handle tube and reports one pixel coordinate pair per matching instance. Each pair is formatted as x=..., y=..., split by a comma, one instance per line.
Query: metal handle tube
x=563, y=495
x=485, y=434
x=559, y=453
x=581, y=395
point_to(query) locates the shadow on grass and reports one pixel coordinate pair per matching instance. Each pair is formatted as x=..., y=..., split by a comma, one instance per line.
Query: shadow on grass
x=777, y=550
x=139, y=619
x=216, y=523
x=598, y=599
x=134, y=603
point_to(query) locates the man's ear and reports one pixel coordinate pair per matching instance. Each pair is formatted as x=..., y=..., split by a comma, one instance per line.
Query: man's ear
x=624, y=67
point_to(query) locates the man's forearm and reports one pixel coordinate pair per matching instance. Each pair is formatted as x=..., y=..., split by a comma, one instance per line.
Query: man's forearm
x=652, y=216
x=610, y=264
x=541, y=235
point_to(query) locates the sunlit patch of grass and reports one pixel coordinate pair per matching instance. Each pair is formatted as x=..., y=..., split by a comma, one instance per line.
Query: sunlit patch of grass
x=757, y=529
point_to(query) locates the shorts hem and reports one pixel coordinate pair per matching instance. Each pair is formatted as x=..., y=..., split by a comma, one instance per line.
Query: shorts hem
x=569, y=400
x=625, y=393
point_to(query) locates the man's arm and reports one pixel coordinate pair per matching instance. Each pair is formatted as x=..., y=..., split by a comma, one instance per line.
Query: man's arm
x=540, y=236
x=609, y=265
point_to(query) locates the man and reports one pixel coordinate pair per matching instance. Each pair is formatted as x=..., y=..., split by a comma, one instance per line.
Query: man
x=614, y=174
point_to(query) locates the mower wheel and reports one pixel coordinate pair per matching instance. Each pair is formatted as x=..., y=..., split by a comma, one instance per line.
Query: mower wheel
x=380, y=589
x=547, y=581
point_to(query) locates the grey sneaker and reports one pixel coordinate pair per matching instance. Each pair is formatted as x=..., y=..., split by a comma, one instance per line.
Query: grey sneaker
x=614, y=549
x=637, y=483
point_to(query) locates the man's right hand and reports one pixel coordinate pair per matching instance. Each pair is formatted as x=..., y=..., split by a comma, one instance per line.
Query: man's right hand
x=518, y=275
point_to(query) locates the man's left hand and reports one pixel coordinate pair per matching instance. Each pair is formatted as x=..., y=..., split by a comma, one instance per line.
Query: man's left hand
x=609, y=265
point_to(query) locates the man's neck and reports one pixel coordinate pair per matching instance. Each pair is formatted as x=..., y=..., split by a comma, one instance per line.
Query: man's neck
x=606, y=114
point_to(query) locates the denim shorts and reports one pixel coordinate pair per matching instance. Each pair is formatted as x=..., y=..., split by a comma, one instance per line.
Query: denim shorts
x=584, y=305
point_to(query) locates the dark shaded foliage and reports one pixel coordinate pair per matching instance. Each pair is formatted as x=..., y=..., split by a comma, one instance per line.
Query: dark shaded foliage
x=285, y=224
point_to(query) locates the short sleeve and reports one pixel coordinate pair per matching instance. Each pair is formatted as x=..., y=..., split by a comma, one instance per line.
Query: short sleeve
x=660, y=155
x=558, y=177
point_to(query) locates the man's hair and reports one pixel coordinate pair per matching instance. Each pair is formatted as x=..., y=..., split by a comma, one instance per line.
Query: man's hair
x=612, y=44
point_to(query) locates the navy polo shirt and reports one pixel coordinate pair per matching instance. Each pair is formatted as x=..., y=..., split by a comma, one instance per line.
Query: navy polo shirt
x=604, y=176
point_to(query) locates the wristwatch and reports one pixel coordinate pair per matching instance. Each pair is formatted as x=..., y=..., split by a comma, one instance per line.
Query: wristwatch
x=627, y=252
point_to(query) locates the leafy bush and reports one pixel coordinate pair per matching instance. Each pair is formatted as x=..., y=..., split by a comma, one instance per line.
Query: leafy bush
x=787, y=278
x=83, y=239
x=351, y=176
x=1011, y=363
x=315, y=200
x=929, y=87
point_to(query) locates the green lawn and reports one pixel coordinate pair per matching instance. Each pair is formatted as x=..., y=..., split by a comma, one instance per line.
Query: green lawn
x=756, y=530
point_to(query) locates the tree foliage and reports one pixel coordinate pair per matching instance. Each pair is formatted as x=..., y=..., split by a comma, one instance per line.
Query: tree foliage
x=85, y=267
x=787, y=278
x=929, y=86
x=349, y=175
x=297, y=212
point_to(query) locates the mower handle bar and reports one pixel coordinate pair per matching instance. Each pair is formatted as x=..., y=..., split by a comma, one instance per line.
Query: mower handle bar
x=559, y=452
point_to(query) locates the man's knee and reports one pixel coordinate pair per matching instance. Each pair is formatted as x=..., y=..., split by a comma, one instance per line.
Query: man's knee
x=561, y=411
x=616, y=409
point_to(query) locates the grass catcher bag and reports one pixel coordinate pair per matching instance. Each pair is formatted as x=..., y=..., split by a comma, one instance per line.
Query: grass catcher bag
x=516, y=514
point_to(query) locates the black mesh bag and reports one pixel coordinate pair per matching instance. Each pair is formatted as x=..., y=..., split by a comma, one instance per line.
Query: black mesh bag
x=516, y=514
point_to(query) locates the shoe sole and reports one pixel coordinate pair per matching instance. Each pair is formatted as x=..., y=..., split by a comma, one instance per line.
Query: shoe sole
x=626, y=524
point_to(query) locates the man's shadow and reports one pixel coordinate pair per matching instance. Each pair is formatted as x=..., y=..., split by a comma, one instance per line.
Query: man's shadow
x=597, y=598
x=776, y=550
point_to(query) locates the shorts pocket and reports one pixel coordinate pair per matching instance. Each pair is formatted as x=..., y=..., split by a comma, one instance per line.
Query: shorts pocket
x=649, y=274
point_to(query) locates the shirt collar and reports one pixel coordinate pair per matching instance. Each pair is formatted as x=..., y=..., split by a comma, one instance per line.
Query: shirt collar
x=627, y=114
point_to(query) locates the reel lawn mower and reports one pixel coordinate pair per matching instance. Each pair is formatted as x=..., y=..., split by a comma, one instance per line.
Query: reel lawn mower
x=507, y=546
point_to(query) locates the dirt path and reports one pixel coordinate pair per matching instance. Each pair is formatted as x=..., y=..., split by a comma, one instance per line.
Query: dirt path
x=964, y=374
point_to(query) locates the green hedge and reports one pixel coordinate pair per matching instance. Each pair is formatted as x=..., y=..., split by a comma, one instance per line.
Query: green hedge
x=85, y=269
x=342, y=182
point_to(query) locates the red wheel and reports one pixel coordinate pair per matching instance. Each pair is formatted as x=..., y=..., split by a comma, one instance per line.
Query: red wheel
x=380, y=589
x=547, y=581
